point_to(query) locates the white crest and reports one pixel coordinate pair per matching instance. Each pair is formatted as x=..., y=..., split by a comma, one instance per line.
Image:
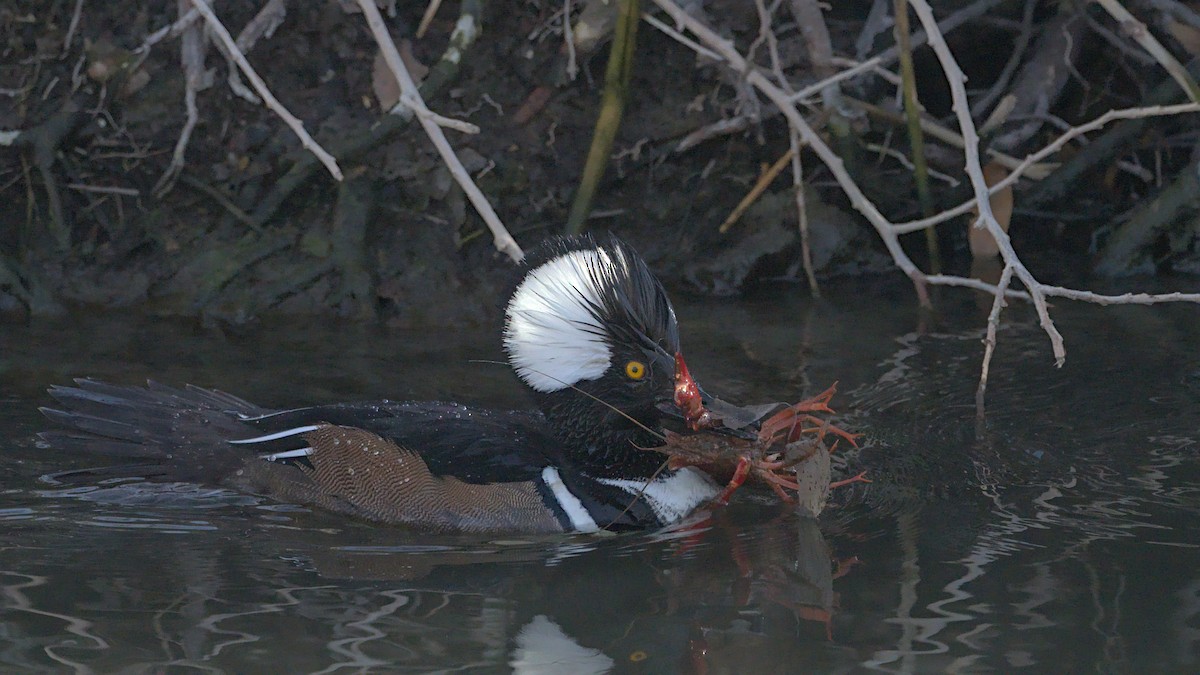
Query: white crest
x=552, y=335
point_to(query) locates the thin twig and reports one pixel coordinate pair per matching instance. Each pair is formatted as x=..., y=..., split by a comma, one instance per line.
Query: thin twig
x=682, y=39
x=983, y=103
x=502, y=240
x=297, y=127
x=1051, y=148
x=765, y=28
x=1123, y=299
x=105, y=189
x=907, y=163
x=569, y=41
x=722, y=127
x=989, y=342
x=427, y=18
x=173, y=30
x=733, y=125
x=817, y=87
x=72, y=26
x=192, y=47
x=407, y=102
x=878, y=70
x=945, y=135
x=802, y=214
x=760, y=186
x=976, y=284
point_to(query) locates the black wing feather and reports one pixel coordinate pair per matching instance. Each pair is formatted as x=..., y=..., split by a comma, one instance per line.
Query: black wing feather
x=191, y=429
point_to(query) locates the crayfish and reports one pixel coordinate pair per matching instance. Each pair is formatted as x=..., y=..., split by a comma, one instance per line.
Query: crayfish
x=783, y=441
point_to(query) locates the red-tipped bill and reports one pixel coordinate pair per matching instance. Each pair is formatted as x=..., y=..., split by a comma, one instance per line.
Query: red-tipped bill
x=687, y=397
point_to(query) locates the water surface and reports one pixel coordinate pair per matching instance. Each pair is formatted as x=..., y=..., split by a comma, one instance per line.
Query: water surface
x=1058, y=534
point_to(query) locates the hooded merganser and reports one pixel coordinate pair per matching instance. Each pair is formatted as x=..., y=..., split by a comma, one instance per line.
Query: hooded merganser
x=588, y=329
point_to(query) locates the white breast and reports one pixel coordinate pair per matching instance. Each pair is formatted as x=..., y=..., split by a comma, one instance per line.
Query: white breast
x=672, y=496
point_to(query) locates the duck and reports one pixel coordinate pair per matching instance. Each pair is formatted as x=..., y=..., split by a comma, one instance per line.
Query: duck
x=588, y=330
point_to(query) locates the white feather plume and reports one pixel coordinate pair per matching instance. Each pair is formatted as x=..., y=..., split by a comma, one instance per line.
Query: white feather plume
x=552, y=334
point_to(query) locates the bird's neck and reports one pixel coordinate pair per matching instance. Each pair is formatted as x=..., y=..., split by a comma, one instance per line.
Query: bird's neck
x=604, y=444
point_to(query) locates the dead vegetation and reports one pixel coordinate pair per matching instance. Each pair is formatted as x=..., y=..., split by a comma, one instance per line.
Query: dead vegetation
x=141, y=167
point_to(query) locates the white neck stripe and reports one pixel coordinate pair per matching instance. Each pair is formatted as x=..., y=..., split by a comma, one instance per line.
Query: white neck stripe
x=672, y=496
x=581, y=520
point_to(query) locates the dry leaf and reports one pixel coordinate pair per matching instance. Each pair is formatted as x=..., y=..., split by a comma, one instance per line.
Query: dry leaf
x=387, y=89
x=981, y=241
x=139, y=79
x=383, y=81
x=1187, y=36
x=999, y=114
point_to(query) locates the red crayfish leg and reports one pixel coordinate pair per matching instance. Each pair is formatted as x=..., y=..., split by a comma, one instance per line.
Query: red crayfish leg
x=786, y=423
x=739, y=477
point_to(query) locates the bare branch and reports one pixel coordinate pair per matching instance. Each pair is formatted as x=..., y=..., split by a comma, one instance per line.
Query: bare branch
x=962, y=111
x=724, y=48
x=569, y=41
x=222, y=34
x=945, y=135
x=269, y=18
x=802, y=214
x=888, y=232
x=1123, y=299
x=795, y=146
x=429, y=121
x=869, y=64
x=1051, y=148
x=977, y=284
x=72, y=26
x=173, y=30
x=681, y=38
x=192, y=48
x=989, y=342
x=907, y=163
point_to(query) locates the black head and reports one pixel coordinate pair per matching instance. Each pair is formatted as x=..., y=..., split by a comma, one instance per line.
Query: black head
x=591, y=331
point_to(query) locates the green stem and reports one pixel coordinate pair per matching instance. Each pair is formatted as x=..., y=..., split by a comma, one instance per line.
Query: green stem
x=612, y=106
x=916, y=138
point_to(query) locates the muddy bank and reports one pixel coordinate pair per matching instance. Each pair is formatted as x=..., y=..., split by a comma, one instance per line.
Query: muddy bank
x=252, y=225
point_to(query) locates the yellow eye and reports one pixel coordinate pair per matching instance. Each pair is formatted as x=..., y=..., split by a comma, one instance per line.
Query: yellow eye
x=636, y=370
